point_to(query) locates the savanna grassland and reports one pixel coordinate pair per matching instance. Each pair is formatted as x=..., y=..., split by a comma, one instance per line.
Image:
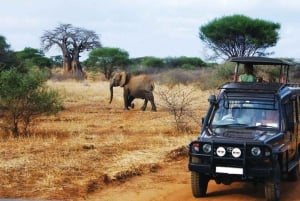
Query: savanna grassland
x=92, y=144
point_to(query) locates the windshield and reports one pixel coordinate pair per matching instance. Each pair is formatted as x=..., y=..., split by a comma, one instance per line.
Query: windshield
x=246, y=113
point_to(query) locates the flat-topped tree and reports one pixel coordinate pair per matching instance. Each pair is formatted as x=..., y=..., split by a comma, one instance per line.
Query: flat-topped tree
x=238, y=35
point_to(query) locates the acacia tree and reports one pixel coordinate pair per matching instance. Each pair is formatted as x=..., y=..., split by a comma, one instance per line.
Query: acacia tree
x=238, y=35
x=7, y=56
x=23, y=98
x=108, y=59
x=72, y=41
x=30, y=57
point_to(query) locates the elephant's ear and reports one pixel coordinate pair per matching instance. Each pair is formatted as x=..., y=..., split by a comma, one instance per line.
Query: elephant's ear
x=123, y=79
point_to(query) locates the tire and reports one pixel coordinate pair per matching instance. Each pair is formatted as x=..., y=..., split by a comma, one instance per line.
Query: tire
x=272, y=185
x=293, y=175
x=199, y=184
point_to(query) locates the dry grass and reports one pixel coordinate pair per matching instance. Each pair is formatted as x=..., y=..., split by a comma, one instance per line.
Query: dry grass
x=90, y=144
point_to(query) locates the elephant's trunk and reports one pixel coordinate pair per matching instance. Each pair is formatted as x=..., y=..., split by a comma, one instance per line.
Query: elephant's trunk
x=111, y=91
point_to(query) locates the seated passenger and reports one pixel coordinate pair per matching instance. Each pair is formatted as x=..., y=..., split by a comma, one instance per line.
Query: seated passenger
x=283, y=79
x=248, y=75
x=248, y=117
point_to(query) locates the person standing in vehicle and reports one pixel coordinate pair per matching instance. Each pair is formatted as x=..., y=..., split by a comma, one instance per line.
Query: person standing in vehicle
x=248, y=75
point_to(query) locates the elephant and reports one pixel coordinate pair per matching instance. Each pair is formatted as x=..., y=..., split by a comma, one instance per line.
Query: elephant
x=139, y=86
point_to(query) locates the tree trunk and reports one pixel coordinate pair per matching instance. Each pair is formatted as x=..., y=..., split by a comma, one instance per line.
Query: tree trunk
x=77, y=69
x=73, y=67
x=76, y=66
x=66, y=63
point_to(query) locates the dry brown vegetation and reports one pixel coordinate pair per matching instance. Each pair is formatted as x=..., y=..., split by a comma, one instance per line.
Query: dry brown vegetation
x=91, y=144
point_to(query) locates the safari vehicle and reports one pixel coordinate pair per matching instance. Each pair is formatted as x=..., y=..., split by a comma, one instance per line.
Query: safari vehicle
x=250, y=133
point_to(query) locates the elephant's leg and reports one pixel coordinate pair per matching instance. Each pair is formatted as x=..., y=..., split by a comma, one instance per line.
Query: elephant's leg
x=130, y=99
x=144, y=105
x=151, y=99
x=126, y=98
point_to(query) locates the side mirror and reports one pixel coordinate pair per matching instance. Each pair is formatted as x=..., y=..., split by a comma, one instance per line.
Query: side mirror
x=212, y=99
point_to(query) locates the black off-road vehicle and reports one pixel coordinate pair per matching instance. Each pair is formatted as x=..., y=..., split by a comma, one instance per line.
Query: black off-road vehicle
x=250, y=133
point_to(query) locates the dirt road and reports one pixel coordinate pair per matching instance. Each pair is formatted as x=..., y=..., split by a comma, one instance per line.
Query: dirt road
x=172, y=183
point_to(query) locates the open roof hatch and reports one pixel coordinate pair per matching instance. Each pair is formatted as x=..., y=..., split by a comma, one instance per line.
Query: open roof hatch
x=282, y=64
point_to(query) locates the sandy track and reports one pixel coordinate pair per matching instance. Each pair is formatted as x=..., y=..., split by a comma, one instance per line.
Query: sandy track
x=172, y=183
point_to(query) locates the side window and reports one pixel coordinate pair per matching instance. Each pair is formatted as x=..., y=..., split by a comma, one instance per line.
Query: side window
x=297, y=108
x=289, y=114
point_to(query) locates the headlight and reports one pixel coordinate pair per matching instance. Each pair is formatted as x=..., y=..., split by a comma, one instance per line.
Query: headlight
x=236, y=152
x=221, y=151
x=255, y=151
x=206, y=148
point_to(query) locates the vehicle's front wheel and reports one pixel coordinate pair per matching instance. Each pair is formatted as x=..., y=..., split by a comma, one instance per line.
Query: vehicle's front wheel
x=272, y=185
x=199, y=184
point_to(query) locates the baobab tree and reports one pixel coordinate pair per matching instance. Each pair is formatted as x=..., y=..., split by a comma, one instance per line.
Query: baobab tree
x=72, y=41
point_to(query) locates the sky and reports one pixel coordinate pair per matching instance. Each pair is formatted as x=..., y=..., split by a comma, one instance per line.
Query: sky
x=159, y=28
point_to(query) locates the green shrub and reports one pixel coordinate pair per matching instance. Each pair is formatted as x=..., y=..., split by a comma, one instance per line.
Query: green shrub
x=188, y=67
x=175, y=62
x=23, y=97
x=153, y=62
x=225, y=71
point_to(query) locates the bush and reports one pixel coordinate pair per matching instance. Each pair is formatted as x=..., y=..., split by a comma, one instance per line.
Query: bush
x=213, y=78
x=184, y=62
x=23, y=97
x=178, y=101
x=188, y=67
x=225, y=71
x=153, y=62
x=178, y=76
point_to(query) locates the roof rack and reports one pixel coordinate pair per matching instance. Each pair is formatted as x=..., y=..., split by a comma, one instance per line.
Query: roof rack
x=260, y=61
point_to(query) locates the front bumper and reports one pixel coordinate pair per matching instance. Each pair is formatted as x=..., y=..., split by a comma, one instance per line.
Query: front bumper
x=245, y=166
x=246, y=172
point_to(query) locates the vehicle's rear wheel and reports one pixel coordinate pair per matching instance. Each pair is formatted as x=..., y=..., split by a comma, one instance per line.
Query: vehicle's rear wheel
x=272, y=185
x=199, y=184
